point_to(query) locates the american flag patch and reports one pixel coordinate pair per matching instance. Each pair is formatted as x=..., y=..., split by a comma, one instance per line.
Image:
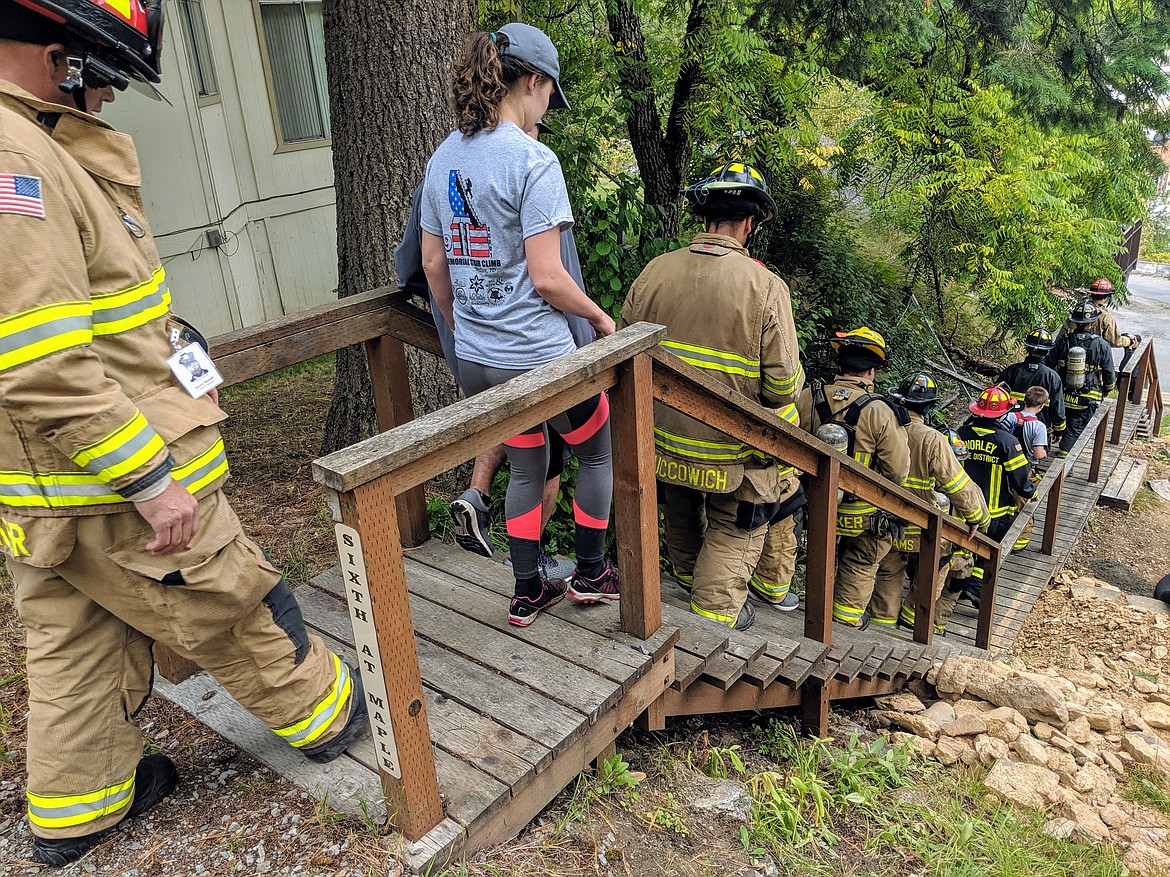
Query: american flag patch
x=21, y=195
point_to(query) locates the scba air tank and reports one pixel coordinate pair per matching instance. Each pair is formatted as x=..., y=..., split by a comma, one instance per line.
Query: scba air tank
x=1074, y=368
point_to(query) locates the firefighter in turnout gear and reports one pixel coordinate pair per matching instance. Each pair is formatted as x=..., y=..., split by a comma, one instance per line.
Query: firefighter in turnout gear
x=1032, y=372
x=730, y=316
x=877, y=438
x=115, y=528
x=1084, y=362
x=996, y=463
x=1100, y=295
x=933, y=468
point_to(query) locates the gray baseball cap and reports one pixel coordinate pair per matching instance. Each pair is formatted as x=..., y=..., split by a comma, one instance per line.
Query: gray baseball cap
x=532, y=46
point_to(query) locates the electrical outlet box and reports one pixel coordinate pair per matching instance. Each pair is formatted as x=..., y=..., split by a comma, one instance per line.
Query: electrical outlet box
x=215, y=238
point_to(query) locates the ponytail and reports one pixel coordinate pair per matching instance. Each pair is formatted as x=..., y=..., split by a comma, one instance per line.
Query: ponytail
x=483, y=77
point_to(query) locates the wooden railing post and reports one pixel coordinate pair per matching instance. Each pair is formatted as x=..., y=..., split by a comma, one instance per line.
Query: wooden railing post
x=1142, y=374
x=1119, y=408
x=635, y=497
x=987, y=598
x=390, y=380
x=929, y=556
x=1099, y=443
x=374, y=576
x=820, y=563
x=1052, y=513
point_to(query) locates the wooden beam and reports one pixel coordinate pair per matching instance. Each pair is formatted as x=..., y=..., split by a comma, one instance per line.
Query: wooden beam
x=1099, y=441
x=393, y=406
x=820, y=562
x=1119, y=417
x=1052, y=514
x=929, y=557
x=987, y=597
x=435, y=442
x=397, y=705
x=814, y=708
x=635, y=497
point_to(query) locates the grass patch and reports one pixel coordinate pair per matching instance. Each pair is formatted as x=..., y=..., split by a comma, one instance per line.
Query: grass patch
x=1145, y=500
x=1142, y=786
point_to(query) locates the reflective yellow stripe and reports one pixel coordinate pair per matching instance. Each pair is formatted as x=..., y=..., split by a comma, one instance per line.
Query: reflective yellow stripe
x=65, y=811
x=127, y=448
x=309, y=730
x=725, y=619
x=862, y=457
x=126, y=309
x=1022, y=543
x=847, y=614
x=913, y=483
x=956, y=484
x=697, y=449
x=783, y=387
x=44, y=330
x=61, y=490
x=789, y=413
x=886, y=622
x=769, y=590
x=714, y=360
x=1015, y=463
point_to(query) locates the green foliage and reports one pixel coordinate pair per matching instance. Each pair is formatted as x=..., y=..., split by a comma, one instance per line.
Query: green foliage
x=667, y=815
x=614, y=777
x=439, y=520
x=1143, y=786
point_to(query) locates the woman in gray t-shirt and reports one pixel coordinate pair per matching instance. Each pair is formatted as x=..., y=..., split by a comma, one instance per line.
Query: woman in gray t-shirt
x=493, y=206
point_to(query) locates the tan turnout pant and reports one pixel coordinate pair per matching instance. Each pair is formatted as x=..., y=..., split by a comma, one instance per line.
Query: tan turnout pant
x=94, y=604
x=858, y=558
x=772, y=578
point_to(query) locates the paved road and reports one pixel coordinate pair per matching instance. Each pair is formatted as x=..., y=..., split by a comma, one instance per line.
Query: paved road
x=1148, y=311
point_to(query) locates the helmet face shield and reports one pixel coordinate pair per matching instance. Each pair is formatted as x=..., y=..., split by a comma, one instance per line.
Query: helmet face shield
x=730, y=190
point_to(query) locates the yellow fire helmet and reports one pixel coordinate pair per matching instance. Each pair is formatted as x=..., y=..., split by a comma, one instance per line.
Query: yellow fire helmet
x=864, y=344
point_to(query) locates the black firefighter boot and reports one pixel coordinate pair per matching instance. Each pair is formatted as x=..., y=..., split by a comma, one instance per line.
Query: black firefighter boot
x=154, y=779
x=354, y=726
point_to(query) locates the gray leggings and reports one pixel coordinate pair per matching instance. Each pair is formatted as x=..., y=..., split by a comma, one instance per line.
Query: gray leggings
x=585, y=428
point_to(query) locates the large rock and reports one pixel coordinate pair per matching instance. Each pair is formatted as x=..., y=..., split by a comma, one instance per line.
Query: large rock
x=1063, y=765
x=1027, y=785
x=1005, y=714
x=1085, y=817
x=725, y=798
x=1033, y=696
x=1078, y=730
x=967, y=707
x=915, y=723
x=951, y=749
x=940, y=713
x=1145, y=859
x=1095, y=783
x=1143, y=685
x=990, y=749
x=901, y=701
x=1099, y=719
x=1031, y=751
x=965, y=726
x=1148, y=749
x=959, y=675
x=1156, y=715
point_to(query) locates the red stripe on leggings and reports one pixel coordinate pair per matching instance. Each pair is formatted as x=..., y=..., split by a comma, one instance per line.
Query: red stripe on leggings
x=588, y=520
x=526, y=526
x=589, y=429
x=526, y=440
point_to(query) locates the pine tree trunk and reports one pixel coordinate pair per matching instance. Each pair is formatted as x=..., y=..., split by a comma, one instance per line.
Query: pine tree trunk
x=389, y=66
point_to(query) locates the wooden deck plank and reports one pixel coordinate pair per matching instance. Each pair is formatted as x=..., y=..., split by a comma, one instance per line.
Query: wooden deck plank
x=724, y=670
x=687, y=668
x=795, y=672
x=763, y=671
x=826, y=668
x=509, y=704
x=602, y=618
x=554, y=635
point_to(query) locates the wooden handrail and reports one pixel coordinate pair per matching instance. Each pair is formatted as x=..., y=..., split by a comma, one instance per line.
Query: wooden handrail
x=443, y=439
x=689, y=390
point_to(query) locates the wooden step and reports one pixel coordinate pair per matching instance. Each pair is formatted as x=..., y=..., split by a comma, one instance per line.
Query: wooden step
x=1125, y=482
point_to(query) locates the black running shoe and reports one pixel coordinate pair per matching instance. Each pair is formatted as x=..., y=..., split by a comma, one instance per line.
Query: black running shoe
x=606, y=586
x=354, y=726
x=154, y=779
x=746, y=618
x=473, y=524
x=523, y=609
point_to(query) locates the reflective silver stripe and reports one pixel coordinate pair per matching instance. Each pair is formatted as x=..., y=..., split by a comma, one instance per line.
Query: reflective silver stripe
x=700, y=450
x=123, y=452
x=714, y=360
x=102, y=316
x=325, y=717
x=189, y=478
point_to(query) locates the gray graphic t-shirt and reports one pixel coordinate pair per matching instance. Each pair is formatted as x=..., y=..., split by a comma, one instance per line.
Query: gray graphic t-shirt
x=484, y=195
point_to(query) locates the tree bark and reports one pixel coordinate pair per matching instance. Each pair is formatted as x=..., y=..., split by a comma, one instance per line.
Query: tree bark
x=663, y=153
x=389, y=66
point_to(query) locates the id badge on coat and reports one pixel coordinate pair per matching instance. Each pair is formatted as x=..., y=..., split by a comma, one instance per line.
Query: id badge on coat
x=195, y=370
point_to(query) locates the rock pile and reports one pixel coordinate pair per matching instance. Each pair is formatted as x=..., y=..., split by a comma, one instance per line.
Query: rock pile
x=1056, y=732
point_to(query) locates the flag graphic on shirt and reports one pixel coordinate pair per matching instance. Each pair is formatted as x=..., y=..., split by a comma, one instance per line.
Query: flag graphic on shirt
x=469, y=237
x=21, y=195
